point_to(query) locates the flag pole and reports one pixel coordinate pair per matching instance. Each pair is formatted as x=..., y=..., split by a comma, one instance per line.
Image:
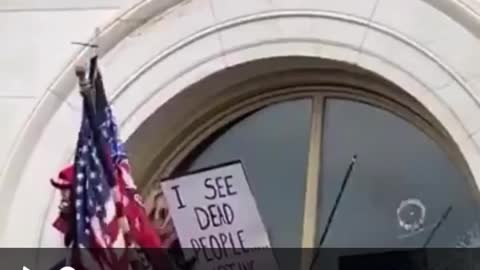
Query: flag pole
x=87, y=91
x=334, y=209
x=72, y=232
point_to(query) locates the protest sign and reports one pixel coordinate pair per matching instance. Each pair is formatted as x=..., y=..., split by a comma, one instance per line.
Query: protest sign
x=217, y=220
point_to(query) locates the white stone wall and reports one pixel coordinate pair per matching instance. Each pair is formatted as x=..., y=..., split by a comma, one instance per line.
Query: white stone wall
x=431, y=48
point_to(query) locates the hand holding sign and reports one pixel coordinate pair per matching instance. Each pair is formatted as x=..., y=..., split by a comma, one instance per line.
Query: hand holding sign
x=215, y=215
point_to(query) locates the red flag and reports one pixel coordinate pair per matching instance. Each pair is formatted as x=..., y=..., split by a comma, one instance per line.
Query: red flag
x=142, y=231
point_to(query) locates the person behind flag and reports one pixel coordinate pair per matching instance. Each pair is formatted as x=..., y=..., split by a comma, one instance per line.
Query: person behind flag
x=160, y=216
x=64, y=182
x=161, y=219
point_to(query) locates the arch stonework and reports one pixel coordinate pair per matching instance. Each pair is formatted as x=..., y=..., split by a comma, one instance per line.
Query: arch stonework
x=434, y=61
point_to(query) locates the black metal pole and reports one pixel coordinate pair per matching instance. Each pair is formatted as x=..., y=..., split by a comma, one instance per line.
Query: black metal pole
x=437, y=226
x=334, y=209
x=86, y=90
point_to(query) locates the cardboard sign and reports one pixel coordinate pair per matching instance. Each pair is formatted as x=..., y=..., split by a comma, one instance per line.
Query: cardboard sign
x=217, y=220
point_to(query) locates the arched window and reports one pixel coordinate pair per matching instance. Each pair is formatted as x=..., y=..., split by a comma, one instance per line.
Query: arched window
x=295, y=123
x=296, y=152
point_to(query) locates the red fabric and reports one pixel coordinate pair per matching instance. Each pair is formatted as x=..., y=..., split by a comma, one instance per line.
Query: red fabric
x=67, y=174
x=60, y=184
x=61, y=224
x=65, y=178
x=64, y=181
x=142, y=231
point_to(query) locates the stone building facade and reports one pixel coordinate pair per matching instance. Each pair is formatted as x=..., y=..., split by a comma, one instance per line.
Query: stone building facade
x=202, y=81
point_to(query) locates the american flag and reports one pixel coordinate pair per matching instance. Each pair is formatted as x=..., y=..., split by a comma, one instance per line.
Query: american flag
x=141, y=230
x=97, y=220
x=108, y=125
x=98, y=207
x=108, y=219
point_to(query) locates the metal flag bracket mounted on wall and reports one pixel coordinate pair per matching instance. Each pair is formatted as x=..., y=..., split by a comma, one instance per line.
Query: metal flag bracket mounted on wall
x=85, y=44
x=94, y=44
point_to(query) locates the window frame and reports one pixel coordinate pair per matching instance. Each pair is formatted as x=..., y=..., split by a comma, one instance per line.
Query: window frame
x=318, y=95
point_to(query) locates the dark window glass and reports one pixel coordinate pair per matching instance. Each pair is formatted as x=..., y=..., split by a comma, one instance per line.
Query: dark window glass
x=272, y=144
x=400, y=187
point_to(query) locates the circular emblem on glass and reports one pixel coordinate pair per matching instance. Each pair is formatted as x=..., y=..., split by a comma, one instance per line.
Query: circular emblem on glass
x=411, y=214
